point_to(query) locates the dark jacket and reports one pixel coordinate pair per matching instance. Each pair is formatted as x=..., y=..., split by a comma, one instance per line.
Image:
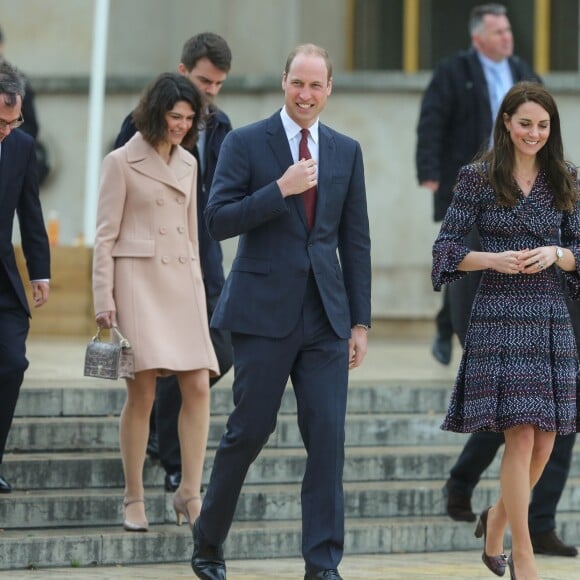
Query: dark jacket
x=210, y=252
x=455, y=121
x=19, y=195
x=264, y=291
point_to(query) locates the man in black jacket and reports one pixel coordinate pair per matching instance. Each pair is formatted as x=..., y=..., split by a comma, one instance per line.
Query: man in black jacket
x=205, y=60
x=455, y=123
x=457, y=115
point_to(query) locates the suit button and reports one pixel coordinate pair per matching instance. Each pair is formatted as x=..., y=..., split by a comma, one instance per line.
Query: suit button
x=165, y=260
x=160, y=201
x=162, y=230
x=182, y=259
x=180, y=229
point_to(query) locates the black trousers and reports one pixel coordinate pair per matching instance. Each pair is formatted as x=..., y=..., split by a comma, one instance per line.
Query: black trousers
x=168, y=399
x=14, y=325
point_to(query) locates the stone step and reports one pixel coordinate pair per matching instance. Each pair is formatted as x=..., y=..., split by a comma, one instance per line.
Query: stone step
x=64, y=398
x=38, y=434
x=168, y=543
x=87, y=470
x=69, y=470
x=102, y=507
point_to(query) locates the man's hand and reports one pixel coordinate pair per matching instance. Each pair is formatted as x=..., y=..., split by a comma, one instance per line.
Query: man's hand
x=298, y=178
x=357, y=346
x=432, y=186
x=40, y=292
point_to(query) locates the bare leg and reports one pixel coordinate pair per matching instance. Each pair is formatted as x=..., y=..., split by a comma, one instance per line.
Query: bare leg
x=526, y=454
x=133, y=433
x=193, y=427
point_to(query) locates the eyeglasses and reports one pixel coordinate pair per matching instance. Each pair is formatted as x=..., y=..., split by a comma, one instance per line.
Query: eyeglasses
x=12, y=124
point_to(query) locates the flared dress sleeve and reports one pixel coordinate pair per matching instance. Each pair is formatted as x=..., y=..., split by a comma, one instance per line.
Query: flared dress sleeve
x=449, y=248
x=570, y=239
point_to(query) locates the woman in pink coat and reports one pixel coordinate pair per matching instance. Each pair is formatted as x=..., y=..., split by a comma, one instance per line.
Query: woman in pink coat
x=147, y=279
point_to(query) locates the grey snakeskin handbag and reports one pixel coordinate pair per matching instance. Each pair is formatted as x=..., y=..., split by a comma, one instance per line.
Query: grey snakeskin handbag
x=109, y=360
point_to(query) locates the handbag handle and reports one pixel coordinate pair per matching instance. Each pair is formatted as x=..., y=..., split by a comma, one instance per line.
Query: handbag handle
x=122, y=340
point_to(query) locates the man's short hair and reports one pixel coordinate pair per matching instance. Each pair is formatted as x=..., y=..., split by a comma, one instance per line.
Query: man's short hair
x=479, y=12
x=207, y=45
x=12, y=84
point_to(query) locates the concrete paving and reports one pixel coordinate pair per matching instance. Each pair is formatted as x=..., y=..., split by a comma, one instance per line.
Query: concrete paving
x=57, y=360
x=437, y=566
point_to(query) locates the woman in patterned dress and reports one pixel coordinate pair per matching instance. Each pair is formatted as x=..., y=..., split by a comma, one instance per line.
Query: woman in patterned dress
x=147, y=278
x=519, y=366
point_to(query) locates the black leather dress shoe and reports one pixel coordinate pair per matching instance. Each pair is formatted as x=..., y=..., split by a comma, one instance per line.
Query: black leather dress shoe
x=441, y=349
x=550, y=544
x=5, y=487
x=323, y=575
x=172, y=481
x=458, y=506
x=207, y=561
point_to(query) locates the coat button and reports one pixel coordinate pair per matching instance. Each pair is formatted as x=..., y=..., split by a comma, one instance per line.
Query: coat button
x=160, y=201
x=165, y=260
x=180, y=229
x=180, y=200
x=162, y=230
x=182, y=259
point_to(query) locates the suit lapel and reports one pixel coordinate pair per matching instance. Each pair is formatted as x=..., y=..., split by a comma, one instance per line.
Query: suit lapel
x=278, y=143
x=326, y=157
x=7, y=162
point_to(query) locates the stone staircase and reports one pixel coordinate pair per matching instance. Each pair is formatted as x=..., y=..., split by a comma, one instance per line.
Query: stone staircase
x=65, y=463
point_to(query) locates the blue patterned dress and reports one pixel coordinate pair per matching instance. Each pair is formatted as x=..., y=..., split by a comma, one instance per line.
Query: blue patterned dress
x=519, y=363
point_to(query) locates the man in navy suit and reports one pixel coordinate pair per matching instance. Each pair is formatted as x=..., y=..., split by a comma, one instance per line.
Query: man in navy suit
x=297, y=302
x=18, y=195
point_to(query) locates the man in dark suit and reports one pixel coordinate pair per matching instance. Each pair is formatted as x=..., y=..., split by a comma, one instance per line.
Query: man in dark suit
x=457, y=114
x=205, y=60
x=456, y=119
x=297, y=302
x=18, y=196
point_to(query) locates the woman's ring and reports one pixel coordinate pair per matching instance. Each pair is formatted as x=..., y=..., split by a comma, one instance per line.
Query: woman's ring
x=540, y=265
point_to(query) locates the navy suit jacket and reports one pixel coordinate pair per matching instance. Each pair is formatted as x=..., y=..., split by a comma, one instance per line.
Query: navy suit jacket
x=19, y=196
x=264, y=291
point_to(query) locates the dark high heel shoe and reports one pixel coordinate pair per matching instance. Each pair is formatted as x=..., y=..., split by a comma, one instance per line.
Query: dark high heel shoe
x=512, y=568
x=496, y=564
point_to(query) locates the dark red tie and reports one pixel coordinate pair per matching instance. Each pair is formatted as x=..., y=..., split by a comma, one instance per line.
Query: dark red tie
x=308, y=196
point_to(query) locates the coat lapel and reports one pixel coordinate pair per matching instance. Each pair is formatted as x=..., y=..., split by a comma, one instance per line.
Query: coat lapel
x=143, y=158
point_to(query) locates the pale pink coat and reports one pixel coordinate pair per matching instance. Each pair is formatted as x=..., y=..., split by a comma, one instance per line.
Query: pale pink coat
x=146, y=258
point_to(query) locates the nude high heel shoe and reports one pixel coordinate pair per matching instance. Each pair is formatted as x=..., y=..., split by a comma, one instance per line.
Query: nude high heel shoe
x=180, y=508
x=130, y=526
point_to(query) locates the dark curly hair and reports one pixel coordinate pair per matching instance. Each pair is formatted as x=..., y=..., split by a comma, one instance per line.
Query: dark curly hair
x=159, y=98
x=500, y=158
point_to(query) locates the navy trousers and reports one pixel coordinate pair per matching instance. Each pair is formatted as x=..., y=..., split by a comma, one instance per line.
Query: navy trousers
x=14, y=325
x=316, y=360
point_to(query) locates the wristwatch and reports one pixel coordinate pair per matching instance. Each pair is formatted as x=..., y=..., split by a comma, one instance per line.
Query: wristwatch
x=559, y=253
